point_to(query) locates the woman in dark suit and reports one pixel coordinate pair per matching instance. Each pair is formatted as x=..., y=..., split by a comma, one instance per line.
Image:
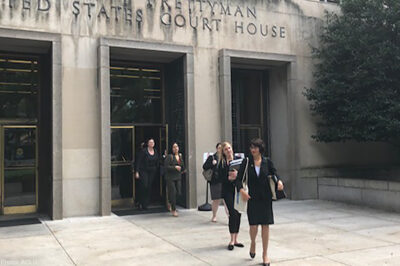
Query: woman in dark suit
x=259, y=197
x=147, y=169
x=228, y=179
x=174, y=167
x=215, y=183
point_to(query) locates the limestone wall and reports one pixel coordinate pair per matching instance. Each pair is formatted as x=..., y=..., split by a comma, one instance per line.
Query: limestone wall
x=286, y=27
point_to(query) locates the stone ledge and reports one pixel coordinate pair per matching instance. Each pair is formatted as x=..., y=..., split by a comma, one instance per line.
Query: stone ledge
x=380, y=173
x=375, y=184
x=384, y=185
x=348, y=182
x=343, y=194
x=394, y=186
x=328, y=181
x=387, y=200
x=373, y=193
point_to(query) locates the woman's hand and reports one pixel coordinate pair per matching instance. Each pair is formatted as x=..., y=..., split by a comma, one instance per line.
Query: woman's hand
x=178, y=168
x=245, y=195
x=280, y=185
x=137, y=175
x=214, y=162
x=232, y=175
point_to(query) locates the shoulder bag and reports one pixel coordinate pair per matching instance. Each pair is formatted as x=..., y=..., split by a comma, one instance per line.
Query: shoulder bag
x=273, y=184
x=208, y=174
x=241, y=205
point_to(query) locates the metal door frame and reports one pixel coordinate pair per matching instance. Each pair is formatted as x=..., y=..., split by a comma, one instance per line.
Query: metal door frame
x=162, y=152
x=127, y=201
x=22, y=208
x=131, y=201
x=262, y=132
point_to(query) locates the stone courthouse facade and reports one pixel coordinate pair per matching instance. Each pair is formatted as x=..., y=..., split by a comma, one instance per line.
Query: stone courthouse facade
x=83, y=83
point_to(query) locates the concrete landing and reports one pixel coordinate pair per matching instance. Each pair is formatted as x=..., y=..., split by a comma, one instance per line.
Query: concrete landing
x=305, y=233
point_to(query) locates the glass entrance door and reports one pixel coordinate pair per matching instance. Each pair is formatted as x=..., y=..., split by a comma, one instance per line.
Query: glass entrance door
x=137, y=114
x=19, y=112
x=160, y=136
x=122, y=158
x=126, y=144
x=18, y=169
x=249, y=108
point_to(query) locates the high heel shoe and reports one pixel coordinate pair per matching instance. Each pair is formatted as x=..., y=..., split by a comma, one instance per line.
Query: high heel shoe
x=252, y=255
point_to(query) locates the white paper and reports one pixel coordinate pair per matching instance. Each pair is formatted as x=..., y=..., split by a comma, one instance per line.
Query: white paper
x=205, y=156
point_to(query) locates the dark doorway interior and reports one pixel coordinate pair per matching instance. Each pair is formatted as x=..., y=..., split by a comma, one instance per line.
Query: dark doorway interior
x=249, y=107
x=146, y=102
x=158, y=133
x=25, y=127
x=175, y=115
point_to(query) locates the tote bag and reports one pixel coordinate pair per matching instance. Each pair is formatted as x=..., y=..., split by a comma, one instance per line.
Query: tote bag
x=276, y=194
x=273, y=184
x=208, y=174
x=241, y=205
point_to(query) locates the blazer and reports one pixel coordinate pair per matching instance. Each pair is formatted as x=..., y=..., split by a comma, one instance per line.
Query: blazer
x=228, y=186
x=170, y=171
x=259, y=188
x=147, y=162
x=208, y=165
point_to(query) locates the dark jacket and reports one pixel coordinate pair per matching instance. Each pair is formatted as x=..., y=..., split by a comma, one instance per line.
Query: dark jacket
x=170, y=171
x=147, y=162
x=228, y=187
x=259, y=188
x=209, y=165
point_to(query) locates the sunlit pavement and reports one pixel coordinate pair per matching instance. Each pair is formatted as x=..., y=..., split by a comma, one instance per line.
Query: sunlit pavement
x=305, y=233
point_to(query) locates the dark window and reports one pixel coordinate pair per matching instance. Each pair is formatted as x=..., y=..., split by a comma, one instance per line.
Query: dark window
x=19, y=82
x=249, y=102
x=136, y=95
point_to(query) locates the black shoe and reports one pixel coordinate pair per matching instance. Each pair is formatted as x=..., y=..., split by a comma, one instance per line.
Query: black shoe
x=252, y=255
x=267, y=264
x=230, y=247
x=239, y=245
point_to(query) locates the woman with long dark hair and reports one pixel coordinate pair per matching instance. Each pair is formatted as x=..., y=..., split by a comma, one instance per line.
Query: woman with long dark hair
x=228, y=192
x=259, y=197
x=174, y=167
x=216, y=182
x=147, y=169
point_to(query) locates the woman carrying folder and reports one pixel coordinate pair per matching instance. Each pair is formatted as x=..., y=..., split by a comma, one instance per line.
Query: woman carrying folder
x=228, y=178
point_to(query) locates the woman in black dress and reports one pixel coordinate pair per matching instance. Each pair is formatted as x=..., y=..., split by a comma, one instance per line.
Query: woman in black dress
x=228, y=179
x=215, y=183
x=259, y=197
x=148, y=167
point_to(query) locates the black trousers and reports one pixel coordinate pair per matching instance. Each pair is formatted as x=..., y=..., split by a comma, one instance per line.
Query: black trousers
x=174, y=190
x=234, y=215
x=146, y=180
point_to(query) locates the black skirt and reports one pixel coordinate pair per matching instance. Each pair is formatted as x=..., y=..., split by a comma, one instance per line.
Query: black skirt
x=259, y=212
x=216, y=191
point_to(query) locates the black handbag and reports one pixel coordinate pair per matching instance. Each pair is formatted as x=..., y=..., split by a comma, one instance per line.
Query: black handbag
x=208, y=174
x=273, y=184
x=280, y=194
